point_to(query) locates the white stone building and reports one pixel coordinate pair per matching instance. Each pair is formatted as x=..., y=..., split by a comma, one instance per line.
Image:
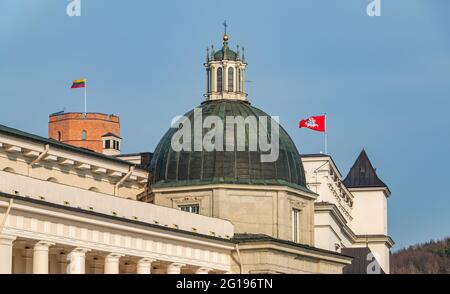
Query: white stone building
x=65, y=209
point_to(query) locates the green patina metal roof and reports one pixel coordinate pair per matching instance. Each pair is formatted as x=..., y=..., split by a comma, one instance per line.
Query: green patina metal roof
x=226, y=54
x=187, y=168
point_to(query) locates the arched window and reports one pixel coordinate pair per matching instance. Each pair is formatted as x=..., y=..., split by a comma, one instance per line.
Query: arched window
x=83, y=135
x=219, y=80
x=9, y=170
x=230, y=79
x=59, y=136
x=53, y=180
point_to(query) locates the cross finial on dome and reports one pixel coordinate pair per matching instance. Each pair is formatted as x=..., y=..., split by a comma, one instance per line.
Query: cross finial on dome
x=225, y=36
x=225, y=26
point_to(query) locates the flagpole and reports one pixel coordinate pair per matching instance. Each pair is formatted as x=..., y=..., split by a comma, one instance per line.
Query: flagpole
x=85, y=94
x=326, y=136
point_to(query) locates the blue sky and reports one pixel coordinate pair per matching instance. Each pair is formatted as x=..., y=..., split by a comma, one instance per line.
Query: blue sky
x=384, y=82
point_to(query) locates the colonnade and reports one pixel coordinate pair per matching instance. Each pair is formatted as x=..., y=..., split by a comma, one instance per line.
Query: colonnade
x=34, y=258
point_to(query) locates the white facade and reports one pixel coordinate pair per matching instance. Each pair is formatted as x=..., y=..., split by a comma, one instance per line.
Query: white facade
x=347, y=217
x=86, y=226
x=51, y=221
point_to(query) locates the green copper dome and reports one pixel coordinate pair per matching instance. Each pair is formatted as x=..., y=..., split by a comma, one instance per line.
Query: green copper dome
x=187, y=168
x=225, y=54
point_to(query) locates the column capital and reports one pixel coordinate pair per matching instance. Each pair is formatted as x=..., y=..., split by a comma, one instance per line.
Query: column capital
x=7, y=239
x=77, y=252
x=144, y=265
x=43, y=245
x=114, y=255
x=112, y=263
x=146, y=260
x=176, y=265
x=77, y=259
x=80, y=250
x=174, y=268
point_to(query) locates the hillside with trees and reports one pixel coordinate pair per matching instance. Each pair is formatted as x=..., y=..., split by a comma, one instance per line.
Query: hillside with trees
x=428, y=258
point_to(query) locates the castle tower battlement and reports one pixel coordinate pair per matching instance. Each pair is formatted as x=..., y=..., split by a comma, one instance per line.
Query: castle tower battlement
x=94, y=131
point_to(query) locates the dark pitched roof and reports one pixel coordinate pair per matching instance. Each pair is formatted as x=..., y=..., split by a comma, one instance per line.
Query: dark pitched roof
x=111, y=135
x=360, y=262
x=362, y=174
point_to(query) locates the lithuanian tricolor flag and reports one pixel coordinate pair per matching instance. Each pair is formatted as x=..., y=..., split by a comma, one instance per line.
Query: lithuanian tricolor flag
x=79, y=84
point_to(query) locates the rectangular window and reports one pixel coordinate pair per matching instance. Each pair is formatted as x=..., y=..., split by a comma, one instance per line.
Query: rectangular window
x=118, y=146
x=193, y=208
x=107, y=144
x=296, y=225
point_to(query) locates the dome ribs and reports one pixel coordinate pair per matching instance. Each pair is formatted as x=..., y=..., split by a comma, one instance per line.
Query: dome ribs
x=186, y=168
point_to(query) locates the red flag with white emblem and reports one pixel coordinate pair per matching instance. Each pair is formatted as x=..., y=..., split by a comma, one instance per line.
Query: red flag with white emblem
x=315, y=123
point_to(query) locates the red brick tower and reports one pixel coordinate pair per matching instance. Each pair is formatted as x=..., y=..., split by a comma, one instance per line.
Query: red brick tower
x=94, y=131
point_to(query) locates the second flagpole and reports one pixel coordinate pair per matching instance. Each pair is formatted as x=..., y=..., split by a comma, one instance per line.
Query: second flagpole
x=326, y=135
x=85, y=94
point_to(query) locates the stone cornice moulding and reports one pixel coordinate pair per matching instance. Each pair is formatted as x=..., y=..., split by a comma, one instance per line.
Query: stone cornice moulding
x=70, y=159
x=386, y=191
x=265, y=245
x=234, y=187
x=384, y=239
x=121, y=227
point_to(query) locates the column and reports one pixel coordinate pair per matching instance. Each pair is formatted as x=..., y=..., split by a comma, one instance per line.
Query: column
x=77, y=261
x=40, y=257
x=6, y=247
x=174, y=268
x=112, y=263
x=144, y=266
x=243, y=81
x=213, y=79
x=207, y=80
x=202, y=271
x=224, y=78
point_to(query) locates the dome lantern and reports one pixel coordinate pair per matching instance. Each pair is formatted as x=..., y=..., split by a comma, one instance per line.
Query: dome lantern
x=225, y=73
